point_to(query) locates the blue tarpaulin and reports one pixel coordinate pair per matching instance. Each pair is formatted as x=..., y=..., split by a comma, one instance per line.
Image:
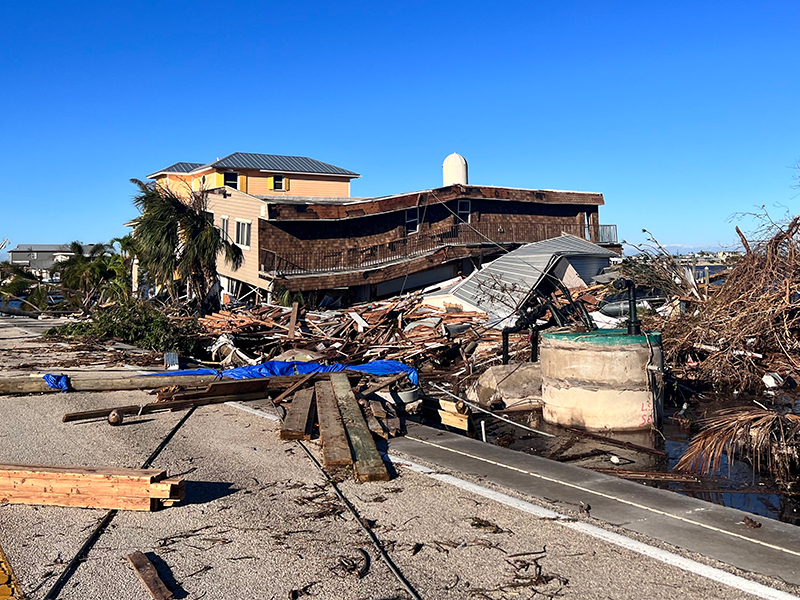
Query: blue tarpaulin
x=277, y=367
x=57, y=382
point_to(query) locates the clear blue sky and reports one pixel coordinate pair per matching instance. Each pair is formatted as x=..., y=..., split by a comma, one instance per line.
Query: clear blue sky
x=681, y=114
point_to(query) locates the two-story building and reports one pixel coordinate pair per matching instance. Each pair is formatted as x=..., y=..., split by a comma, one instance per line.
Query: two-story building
x=40, y=259
x=300, y=229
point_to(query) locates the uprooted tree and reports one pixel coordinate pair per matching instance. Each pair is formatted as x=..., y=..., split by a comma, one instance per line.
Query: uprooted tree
x=174, y=236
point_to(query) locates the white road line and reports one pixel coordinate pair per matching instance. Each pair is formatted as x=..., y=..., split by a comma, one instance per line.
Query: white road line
x=612, y=497
x=718, y=575
x=692, y=566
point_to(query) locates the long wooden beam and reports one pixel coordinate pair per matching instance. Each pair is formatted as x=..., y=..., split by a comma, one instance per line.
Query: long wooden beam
x=88, y=383
x=368, y=462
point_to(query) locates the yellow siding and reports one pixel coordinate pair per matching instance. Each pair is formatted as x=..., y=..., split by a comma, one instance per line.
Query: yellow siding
x=301, y=185
x=243, y=207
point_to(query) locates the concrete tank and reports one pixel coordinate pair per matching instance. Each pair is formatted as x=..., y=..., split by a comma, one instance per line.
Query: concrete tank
x=601, y=380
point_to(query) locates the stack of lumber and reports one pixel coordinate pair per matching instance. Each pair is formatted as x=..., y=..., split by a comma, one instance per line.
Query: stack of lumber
x=330, y=406
x=89, y=487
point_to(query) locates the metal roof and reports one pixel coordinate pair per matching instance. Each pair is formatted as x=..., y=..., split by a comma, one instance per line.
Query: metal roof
x=299, y=200
x=178, y=167
x=277, y=163
x=48, y=248
x=504, y=284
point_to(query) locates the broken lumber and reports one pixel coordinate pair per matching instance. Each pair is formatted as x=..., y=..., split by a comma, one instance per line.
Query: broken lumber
x=33, y=385
x=368, y=463
x=293, y=320
x=261, y=386
x=143, y=409
x=147, y=574
x=335, y=448
x=89, y=487
x=299, y=421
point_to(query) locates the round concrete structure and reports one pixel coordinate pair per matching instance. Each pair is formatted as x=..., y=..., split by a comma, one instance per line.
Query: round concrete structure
x=602, y=380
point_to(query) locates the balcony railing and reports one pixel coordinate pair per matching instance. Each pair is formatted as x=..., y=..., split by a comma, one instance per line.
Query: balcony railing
x=608, y=234
x=348, y=259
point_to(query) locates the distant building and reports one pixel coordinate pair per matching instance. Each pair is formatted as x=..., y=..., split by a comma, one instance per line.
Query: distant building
x=300, y=230
x=39, y=259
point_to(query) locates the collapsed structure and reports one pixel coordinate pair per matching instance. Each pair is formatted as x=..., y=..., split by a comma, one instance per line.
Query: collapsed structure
x=301, y=231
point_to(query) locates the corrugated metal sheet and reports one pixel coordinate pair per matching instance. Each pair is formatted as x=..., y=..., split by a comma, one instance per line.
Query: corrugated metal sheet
x=504, y=284
x=277, y=163
x=179, y=167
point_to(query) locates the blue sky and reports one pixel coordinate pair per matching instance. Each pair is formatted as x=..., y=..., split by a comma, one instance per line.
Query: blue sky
x=681, y=114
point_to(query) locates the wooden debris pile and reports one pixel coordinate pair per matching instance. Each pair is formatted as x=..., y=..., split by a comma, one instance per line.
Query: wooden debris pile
x=751, y=325
x=89, y=487
x=440, y=342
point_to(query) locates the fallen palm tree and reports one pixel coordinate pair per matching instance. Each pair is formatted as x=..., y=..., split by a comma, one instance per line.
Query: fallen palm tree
x=769, y=440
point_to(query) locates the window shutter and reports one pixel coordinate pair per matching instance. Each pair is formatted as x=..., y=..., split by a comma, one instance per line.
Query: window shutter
x=243, y=183
x=271, y=182
x=285, y=183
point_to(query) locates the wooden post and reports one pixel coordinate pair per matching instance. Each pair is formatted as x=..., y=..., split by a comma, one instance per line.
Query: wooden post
x=293, y=319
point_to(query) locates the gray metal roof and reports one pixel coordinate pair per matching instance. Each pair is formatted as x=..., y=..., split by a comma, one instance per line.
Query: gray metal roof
x=48, y=248
x=275, y=199
x=504, y=284
x=178, y=167
x=277, y=163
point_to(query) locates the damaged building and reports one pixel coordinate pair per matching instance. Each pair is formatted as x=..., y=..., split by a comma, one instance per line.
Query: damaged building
x=301, y=231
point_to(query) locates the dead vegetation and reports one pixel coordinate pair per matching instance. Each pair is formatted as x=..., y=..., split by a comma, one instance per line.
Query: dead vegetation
x=749, y=325
x=770, y=441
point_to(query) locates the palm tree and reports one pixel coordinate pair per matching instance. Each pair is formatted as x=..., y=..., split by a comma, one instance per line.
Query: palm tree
x=174, y=236
x=87, y=273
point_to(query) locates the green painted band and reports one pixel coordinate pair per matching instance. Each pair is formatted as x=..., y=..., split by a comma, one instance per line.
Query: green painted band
x=605, y=337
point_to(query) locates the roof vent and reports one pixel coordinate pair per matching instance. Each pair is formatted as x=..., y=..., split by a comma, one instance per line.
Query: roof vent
x=454, y=170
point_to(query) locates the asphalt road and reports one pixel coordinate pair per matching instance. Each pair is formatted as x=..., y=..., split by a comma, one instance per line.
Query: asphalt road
x=260, y=521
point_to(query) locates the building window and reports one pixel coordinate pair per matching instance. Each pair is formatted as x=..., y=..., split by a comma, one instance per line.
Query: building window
x=231, y=180
x=412, y=220
x=278, y=183
x=464, y=211
x=243, y=233
x=224, y=226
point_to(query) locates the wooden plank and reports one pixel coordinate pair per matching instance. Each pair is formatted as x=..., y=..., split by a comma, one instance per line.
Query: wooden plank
x=377, y=409
x=88, y=487
x=183, y=402
x=335, y=448
x=133, y=409
x=9, y=586
x=77, y=500
x=103, y=473
x=32, y=385
x=368, y=462
x=293, y=320
x=147, y=574
x=458, y=421
x=300, y=417
x=293, y=387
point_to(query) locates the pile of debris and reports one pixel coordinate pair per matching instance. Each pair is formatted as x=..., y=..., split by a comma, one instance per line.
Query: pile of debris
x=751, y=325
x=443, y=343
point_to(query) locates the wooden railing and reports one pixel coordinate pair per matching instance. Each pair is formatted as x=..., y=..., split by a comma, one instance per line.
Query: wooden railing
x=336, y=259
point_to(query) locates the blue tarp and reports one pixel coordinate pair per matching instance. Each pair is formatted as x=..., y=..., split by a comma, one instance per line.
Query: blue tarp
x=57, y=382
x=277, y=367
